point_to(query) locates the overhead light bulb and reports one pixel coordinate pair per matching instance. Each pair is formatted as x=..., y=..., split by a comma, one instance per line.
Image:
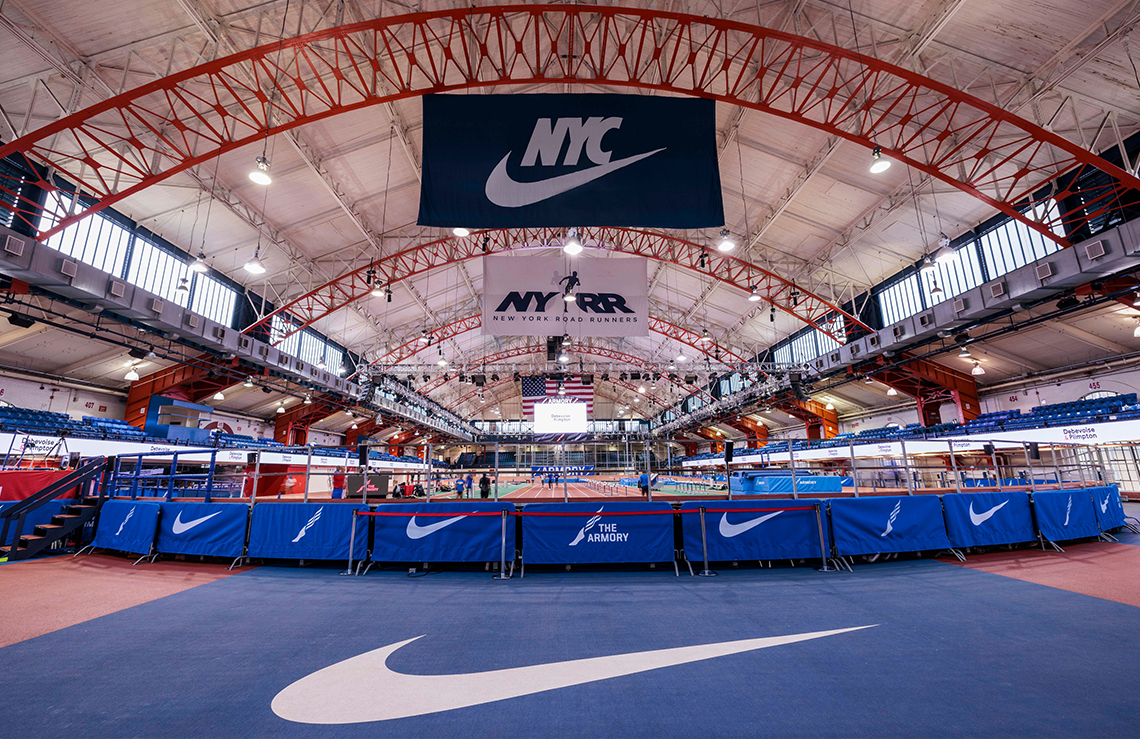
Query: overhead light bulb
x=830, y=406
x=280, y=409
x=131, y=375
x=935, y=290
x=377, y=290
x=254, y=265
x=572, y=245
x=248, y=382
x=641, y=389
x=891, y=391
x=355, y=426
x=321, y=363
x=218, y=396
x=569, y=297
x=260, y=175
x=442, y=362
x=564, y=358
x=561, y=390
x=461, y=232
x=754, y=296
x=726, y=242
x=965, y=353
x=183, y=286
x=705, y=335
x=927, y=264
x=868, y=381
x=308, y=400
x=978, y=369
x=879, y=163
x=682, y=358
x=199, y=264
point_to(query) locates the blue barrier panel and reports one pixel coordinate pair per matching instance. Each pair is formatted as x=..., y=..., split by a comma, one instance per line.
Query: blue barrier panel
x=745, y=530
x=305, y=530
x=894, y=523
x=1065, y=514
x=588, y=537
x=127, y=526
x=211, y=529
x=34, y=518
x=748, y=484
x=467, y=531
x=1109, y=510
x=980, y=519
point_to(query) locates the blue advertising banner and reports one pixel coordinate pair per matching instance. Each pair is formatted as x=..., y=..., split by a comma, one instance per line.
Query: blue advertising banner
x=595, y=538
x=750, y=529
x=1109, y=510
x=911, y=523
x=980, y=519
x=127, y=526
x=305, y=530
x=449, y=534
x=505, y=161
x=1065, y=514
x=210, y=529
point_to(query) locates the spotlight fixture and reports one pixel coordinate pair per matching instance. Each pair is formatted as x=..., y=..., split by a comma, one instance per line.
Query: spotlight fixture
x=726, y=242
x=378, y=290
x=461, y=232
x=218, y=396
x=308, y=400
x=572, y=245
x=879, y=163
x=964, y=354
x=254, y=265
x=280, y=409
x=494, y=378
x=183, y=286
x=926, y=265
x=754, y=296
x=892, y=392
x=199, y=264
x=131, y=375
x=260, y=173
x=486, y=243
x=248, y=382
x=945, y=254
x=978, y=369
x=442, y=362
x=772, y=315
x=705, y=335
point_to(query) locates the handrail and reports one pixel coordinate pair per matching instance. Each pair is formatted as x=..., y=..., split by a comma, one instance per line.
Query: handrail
x=80, y=476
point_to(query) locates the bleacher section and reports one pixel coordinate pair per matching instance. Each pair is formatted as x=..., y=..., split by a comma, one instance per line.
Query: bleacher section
x=1098, y=410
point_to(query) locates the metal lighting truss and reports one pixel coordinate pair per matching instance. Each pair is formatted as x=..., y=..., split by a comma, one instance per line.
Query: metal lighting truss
x=719, y=407
x=120, y=146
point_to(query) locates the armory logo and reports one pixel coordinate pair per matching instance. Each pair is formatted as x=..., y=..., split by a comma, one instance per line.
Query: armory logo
x=546, y=142
x=607, y=532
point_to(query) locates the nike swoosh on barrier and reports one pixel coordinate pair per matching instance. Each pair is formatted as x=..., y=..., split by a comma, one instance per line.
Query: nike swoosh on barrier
x=980, y=518
x=729, y=530
x=418, y=532
x=363, y=688
x=178, y=527
x=507, y=193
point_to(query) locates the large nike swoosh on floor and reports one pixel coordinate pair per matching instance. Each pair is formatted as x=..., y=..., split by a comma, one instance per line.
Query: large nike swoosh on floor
x=507, y=193
x=362, y=688
x=178, y=526
x=729, y=530
x=415, y=531
x=980, y=518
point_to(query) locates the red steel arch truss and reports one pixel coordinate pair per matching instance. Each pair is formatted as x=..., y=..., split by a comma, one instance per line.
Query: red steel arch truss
x=125, y=144
x=780, y=293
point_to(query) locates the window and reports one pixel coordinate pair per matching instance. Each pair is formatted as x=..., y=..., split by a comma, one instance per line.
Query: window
x=900, y=300
x=953, y=277
x=213, y=300
x=14, y=183
x=95, y=240
x=1099, y=394
x=158, y=271
x=1013, y=244
x=278, y=328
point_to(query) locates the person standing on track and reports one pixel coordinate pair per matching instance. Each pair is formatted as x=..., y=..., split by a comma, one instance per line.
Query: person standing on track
x=470, y=485
x=644, y=482
x=459, y=488
x=338, y=480
x=484, y=486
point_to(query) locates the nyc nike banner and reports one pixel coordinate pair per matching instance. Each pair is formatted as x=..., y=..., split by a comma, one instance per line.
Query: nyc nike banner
x=753, y=534
x=505, y=161
x=1065, y=514
x=524, y=296
x=127, y=526
x=911, y=523
x=209, y=529
x=594, y=538
x=982, y=519
x=1109, y=510
x=305, y=530
x=448, y=533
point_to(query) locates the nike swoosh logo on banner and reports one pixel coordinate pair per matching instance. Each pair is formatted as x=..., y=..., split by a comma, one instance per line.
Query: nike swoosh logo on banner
x=418, y=532
x=980, y=518
x=178, y=527
x=507, y=193
x=729, y=530
x=363, y=688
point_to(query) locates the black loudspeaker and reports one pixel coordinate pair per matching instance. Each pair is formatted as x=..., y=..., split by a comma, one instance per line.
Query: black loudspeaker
x=1034, y=451
x=362, y=454
x=251, y=458
x=587, y=379
x=479, y=380
x=635, y=375
x=795, y=380
x=690, y=379
x=727, y=452
x=988, y=449
x=553, y=343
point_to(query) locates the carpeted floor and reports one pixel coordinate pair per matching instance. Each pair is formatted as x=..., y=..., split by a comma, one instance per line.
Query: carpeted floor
x=953, y=652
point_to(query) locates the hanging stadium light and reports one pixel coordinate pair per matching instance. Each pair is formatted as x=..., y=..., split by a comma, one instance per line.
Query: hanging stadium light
x=131, y=375
x=965, y=353
x=978, y=369
x=754, y=296
x=218, y=396
x=561, y=389
x=569, y=297
x=378, y=290
x=199, y=264
x=280, y=409
x=183, y=286
x=705, y=335
x=308, y=400
x=868, y=381
x=572, y=245
x=682, y=358
x=254, y=265
x=564, y=358
x=461, y=232
x=726, y=242
x=260, y=173
x=355, y=426
x=879, y=163
x=891, y=391
x=830, y=406
x=321, y=362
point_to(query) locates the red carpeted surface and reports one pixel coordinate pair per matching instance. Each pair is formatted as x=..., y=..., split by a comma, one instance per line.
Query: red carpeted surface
x=64, y=591
x=1099, y=569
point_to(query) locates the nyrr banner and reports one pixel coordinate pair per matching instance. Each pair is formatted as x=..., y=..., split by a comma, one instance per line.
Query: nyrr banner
x=523, y=296
x=503, y=161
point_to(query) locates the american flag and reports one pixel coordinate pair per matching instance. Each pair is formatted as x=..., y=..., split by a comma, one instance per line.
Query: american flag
x=536, y=388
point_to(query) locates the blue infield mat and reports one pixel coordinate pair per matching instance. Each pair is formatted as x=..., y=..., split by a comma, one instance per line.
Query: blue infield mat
x=950, y=652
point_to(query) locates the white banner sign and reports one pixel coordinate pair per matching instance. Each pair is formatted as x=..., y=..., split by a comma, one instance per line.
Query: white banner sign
x=526, y=296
